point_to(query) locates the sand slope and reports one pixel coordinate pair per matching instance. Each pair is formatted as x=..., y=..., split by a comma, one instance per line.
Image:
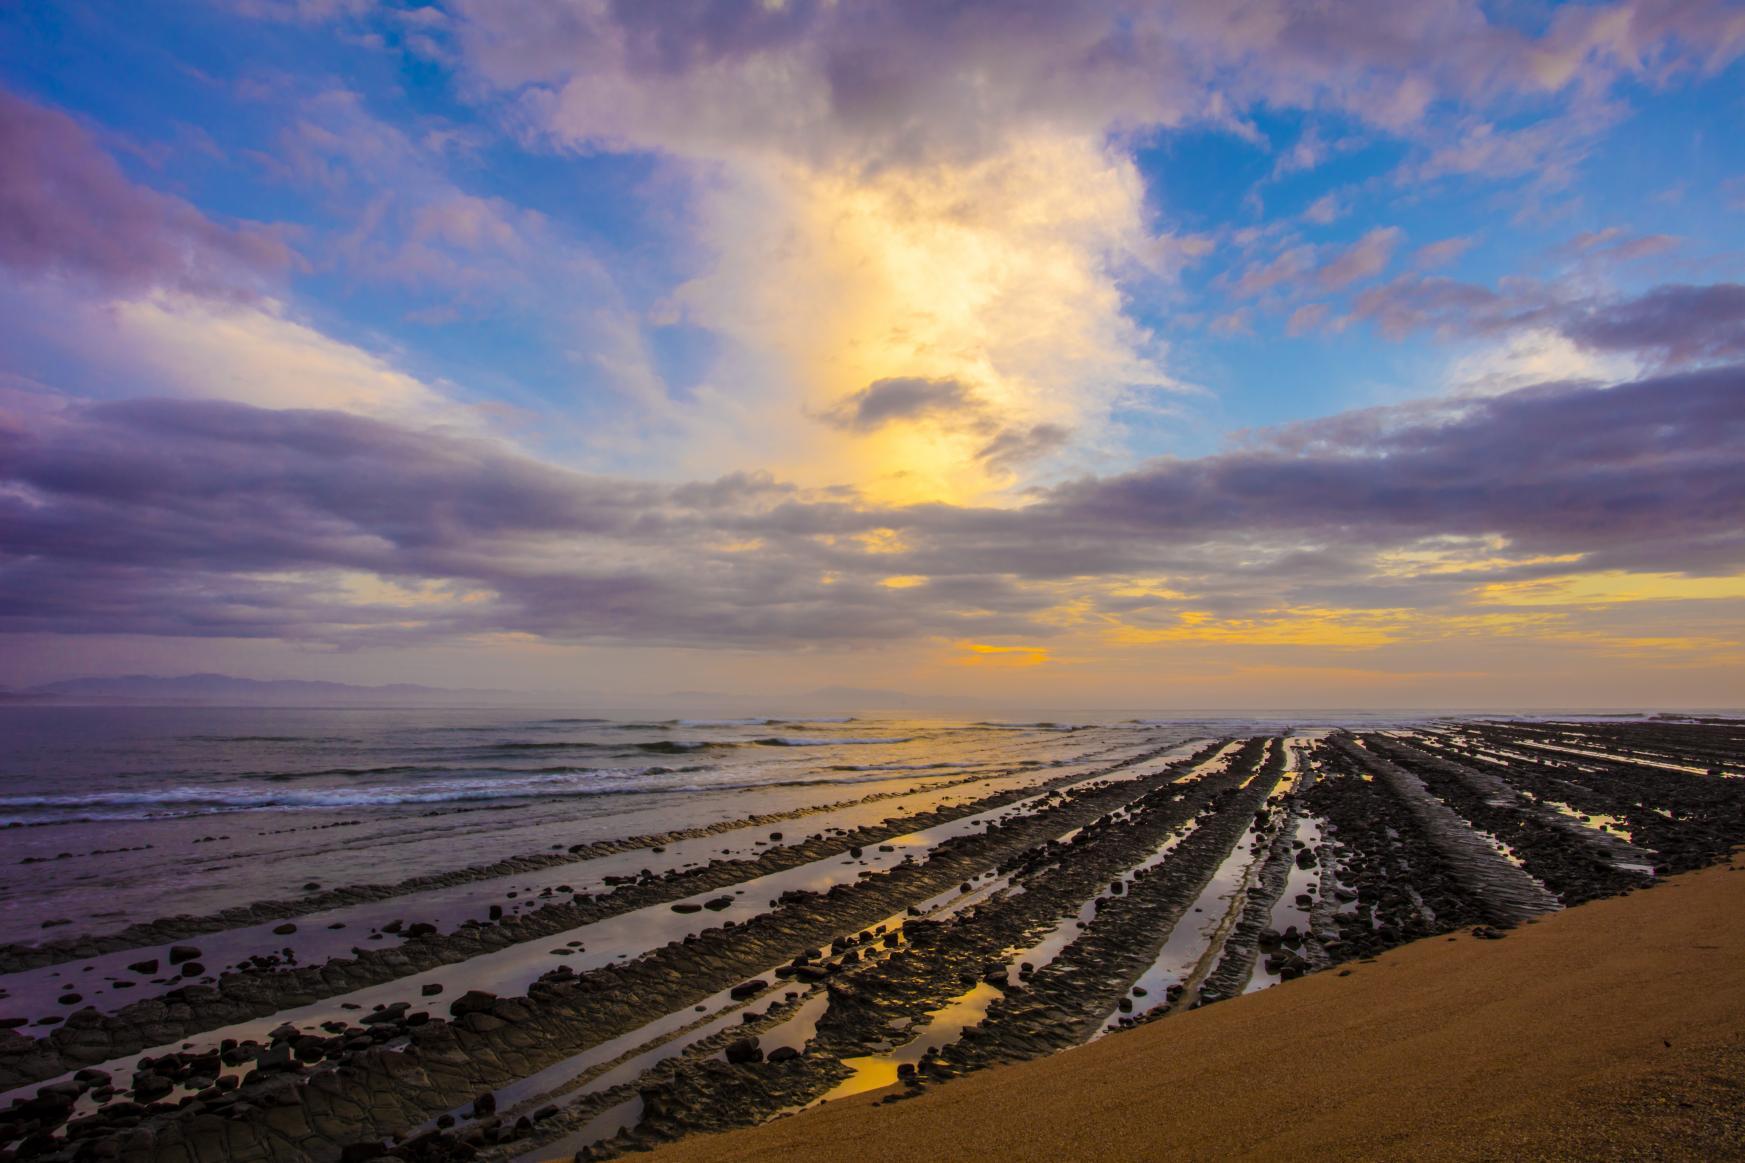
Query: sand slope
x=1613, y=1030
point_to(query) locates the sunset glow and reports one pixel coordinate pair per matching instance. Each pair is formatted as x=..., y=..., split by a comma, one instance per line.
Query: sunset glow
x=1173, y=354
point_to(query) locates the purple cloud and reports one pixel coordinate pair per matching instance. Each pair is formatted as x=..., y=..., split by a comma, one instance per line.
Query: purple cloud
x=1363, y=259
x=1642, y=473
x=1668, y=326
x=911, y=78
x=67, y=210
x=1673, y=324
x=888, y=401
x=205, y=518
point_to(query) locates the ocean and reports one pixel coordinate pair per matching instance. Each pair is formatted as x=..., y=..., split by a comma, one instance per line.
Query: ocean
x=110, y=811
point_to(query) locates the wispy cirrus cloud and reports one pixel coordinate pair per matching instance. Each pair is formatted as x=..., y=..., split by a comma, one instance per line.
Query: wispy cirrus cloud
x=1364, y=259
x=68, y=211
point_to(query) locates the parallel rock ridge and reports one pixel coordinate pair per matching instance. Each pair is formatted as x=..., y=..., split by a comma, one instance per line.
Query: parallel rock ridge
x=1028, y=912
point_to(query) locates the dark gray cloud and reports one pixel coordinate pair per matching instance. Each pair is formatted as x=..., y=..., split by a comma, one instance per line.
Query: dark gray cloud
x=1017, y=446
x=901, y=398
x=216, y=519
x=1668, y=326
x=1639, y=473
x=1672, y=324
x=67, y=209
x=949, y=404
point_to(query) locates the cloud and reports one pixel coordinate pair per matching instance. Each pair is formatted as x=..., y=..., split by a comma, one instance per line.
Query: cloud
x=1283, y=270
x=1306, y=153
x=1440, y=254
x=1616, y=244
x=394, y=215
x=908, y=79
x=1325, y=210
x=906, y=190
x=258, y=354
x=67, y=211
x=208, y=518
x=1449, y=306
x=1363, y=259
x=1673, y=324
x=1521, y=359
x=1667, y=326
x=1018, y=446
x=953, y=408
x=1309, y=317
x=1302, y=267
x=1233, y=323
x=891, y=400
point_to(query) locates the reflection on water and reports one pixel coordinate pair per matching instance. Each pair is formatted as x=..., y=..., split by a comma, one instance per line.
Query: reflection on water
x=940, y=1028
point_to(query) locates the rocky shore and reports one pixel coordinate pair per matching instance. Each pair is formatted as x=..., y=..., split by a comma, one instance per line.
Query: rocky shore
x=503, y=1014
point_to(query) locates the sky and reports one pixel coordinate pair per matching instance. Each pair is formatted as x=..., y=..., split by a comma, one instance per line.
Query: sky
x=1076, y=353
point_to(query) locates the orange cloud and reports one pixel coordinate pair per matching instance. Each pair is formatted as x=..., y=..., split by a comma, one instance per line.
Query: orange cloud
x=983, y=654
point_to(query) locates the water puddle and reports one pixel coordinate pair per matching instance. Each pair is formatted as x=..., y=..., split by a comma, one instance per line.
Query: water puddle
x=938, y=1029
x=1302, y=882
x=1194, y=944
x=609, y=1123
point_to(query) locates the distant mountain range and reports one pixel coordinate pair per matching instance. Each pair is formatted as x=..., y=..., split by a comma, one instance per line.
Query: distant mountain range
x=223, y=688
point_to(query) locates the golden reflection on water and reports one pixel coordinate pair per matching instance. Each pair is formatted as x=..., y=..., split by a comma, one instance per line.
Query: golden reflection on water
x=941, y=1028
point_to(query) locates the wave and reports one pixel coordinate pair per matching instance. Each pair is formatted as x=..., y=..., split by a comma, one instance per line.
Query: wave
x=723, y=722
x=658, y=745
x=478, y=786
x=185, y=801
x=901, y=766
x=260, y=739
x=1045, y=725
x=764, y=722
x=350, y=772
x=788, y=741
x=523, y=745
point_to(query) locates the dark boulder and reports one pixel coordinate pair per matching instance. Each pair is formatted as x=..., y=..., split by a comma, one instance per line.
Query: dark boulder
x=744, y=1051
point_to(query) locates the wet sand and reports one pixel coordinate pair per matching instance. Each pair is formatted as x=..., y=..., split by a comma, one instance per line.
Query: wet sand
x=1611, y=1030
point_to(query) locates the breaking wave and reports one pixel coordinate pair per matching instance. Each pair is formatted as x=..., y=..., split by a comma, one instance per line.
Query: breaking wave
x=789, y=741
